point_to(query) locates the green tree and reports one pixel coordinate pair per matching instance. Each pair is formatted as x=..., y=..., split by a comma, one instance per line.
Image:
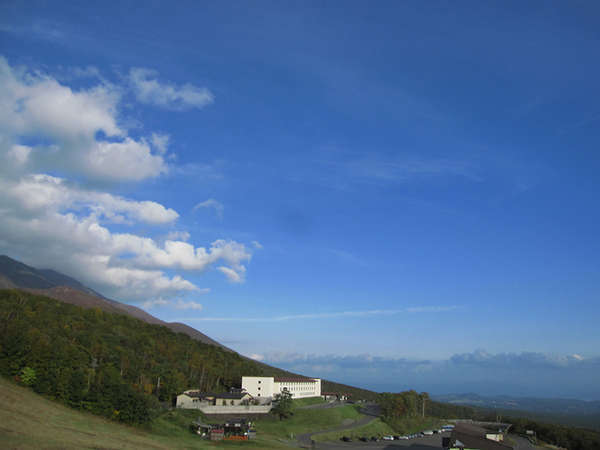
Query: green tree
x=283, y=405
x=28, y=376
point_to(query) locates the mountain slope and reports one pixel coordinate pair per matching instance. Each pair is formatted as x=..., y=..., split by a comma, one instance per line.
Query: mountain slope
x=15, y=274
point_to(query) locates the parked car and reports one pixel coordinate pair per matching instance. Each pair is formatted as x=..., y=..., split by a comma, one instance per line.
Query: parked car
x=364, y=439
x=374, y=438
x=427, y=433
x=403, y=437
x=388, y=438
x=346, y=439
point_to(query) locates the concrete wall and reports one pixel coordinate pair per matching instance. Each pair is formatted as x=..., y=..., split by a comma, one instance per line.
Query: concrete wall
x=264, y=409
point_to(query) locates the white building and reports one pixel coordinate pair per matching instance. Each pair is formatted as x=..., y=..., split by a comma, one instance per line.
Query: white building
x=299, y=387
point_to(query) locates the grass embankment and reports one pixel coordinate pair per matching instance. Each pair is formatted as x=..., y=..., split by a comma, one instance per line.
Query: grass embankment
x=379, y=429
x=376, y=428
x=30, y=421
x=305, y=421
x=300, y=402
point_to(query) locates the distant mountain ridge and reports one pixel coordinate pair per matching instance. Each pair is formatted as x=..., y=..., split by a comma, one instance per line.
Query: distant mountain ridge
x=537, y=405
x=48, y=282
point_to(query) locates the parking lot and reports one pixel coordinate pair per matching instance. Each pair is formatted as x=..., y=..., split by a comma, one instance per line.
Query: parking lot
x=425, y=442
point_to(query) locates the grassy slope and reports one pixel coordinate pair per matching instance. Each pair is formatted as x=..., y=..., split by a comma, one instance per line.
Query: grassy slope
x=29, y=421
x=376, y=428
x=379, y=428
x=300, y=402
x=306, y=420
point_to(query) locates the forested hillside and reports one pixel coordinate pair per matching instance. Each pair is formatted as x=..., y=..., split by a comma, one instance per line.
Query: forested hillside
x=111, y=364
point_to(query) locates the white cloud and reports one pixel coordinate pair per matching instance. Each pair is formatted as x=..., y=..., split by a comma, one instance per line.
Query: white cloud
x=211, y=203
x=178, y=236
x=188, y=305
x=257, y=245
x=61, y=225
x=149, y=90
x=160, y=142
x=152, y=303
x=256, y=357
x=47, y=221
x=46, y=193
x=19, y=153
x=232, y=275
x=179, y=304
x=128, y=160
x=77, y=131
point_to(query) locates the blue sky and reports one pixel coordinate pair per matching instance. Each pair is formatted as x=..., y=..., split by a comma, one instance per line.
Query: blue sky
x=386, y=183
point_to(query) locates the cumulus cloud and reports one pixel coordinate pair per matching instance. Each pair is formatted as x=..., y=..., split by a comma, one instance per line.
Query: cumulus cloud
x=66, y=125
x=149, y=90
x=42, y=193
x=126, y=265
x=211, y=203
x=178, y=236
x=48, y=221
x=257, y=245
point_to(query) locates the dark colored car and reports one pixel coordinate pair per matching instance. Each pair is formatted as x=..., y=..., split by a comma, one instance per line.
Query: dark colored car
x=374, y=439
x=346, y=439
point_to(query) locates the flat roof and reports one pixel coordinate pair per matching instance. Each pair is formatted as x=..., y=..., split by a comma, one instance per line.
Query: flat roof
x=295, y=380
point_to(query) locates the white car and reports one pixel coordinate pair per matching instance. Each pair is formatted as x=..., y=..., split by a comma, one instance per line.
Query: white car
x=388, y=438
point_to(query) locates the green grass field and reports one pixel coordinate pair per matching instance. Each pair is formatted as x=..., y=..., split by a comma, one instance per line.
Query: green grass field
x=29, y=421
x=306, y=420
x=300, y=402
x=376, y=428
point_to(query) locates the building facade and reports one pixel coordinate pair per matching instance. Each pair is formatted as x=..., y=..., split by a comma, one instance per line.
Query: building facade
x=298, y=387
x=196, y=399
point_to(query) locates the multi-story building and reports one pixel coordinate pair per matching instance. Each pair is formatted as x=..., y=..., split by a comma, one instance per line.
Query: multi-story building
x=298, y=387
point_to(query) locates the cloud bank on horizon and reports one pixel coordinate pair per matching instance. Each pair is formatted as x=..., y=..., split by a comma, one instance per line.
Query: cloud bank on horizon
x=539, y=374
x=57, y=143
